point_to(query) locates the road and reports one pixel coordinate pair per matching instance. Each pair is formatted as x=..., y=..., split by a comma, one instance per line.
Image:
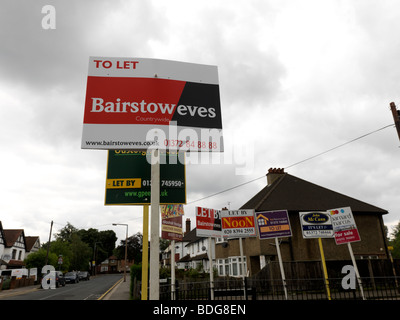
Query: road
x=84, y=290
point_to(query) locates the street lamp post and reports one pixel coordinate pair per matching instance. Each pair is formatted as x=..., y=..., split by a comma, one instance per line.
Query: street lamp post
x=126, y=245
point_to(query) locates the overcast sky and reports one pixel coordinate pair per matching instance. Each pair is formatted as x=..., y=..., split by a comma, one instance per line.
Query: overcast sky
x=296, y=78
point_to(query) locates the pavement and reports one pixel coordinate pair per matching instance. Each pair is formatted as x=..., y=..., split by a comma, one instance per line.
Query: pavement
x=120, y=291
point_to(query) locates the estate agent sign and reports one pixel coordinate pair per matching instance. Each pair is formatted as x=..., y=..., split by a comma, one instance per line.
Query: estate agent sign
x=344, y=225
x=316, y=224
x=136, y=103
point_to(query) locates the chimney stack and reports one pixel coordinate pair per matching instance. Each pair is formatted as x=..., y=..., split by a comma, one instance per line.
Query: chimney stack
x=188, y=226
x=274, y=174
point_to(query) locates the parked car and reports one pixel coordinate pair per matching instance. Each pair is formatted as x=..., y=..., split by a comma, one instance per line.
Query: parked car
x=60, y=279
x=83, y=275
x=71, y=277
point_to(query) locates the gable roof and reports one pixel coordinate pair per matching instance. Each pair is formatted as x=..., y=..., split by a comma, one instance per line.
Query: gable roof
x=12, y=235
x=191, y=237
x=30, y=242
x=294, y=194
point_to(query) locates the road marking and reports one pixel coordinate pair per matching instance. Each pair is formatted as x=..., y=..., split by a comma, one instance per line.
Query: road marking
x=108, y=291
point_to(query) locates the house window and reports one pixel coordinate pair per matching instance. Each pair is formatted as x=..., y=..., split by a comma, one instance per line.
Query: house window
x=14, y=254
x=19, y=255
x=234, y=267
x=231, y=267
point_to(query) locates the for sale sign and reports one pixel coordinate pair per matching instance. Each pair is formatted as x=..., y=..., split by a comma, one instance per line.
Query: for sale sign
x=238, y=223
x=344, y=225
x=208, y=222
x=136, y=103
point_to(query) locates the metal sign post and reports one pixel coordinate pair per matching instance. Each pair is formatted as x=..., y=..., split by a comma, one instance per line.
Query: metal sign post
x=155, y=226
x=145, y=252
x=278, y=250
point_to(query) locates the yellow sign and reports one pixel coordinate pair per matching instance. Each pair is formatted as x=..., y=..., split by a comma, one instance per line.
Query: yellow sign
x=123, y=183
x=283, y=227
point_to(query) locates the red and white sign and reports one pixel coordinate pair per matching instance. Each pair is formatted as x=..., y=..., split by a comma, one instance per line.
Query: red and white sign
x=208, y=222
x=135, y=103
x=344, y=225
x=171, y=221
x=238, y=223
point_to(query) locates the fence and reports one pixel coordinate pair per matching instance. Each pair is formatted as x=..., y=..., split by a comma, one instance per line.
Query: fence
x=377, y=288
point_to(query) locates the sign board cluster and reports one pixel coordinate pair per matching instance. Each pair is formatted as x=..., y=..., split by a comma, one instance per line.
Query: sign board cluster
x=241, y=223
x=138, y=104
x=337, y=223
x=334, y=223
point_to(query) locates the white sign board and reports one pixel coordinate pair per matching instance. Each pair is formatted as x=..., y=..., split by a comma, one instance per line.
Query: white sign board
x=137, y=103
x=316, y=224
x=238, y=223
x=344, y=225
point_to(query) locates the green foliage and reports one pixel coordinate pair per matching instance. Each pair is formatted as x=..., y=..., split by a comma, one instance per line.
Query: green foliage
x=396, y=241
x=136, y=271
x=38, y=259
x=134, y=248
x=76, y=247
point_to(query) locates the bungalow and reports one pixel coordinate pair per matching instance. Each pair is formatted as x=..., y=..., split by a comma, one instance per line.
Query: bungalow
x=287, y=192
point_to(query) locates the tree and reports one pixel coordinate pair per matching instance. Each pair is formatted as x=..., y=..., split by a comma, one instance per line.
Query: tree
x=38, y=259
x=104, y=240
x=134, y=248
x=81, y=253
x=62, y=248
x=77, y=246
x=396, y=241
x=66, y=232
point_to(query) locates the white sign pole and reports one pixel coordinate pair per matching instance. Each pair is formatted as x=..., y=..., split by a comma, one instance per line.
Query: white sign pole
x=356, y=269
x=281, y=267
x=172, y=269
x=243, y=266
x=211, y=267
x=155, y=226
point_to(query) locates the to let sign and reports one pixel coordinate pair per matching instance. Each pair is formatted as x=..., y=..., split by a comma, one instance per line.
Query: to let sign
x=273, y=224
x=316, y=225
x=137, y=103
x=208, y=222
x=344, y=225
x=238, y=223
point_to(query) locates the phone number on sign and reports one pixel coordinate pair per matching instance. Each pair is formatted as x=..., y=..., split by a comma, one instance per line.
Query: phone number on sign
x=190, y=144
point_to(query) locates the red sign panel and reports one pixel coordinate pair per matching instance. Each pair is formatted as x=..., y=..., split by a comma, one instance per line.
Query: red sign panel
x=208, y=222
x=346, y=236
x=129, y=100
